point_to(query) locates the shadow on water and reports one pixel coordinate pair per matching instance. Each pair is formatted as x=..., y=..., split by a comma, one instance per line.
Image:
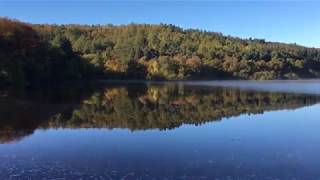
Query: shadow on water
x=133, y=106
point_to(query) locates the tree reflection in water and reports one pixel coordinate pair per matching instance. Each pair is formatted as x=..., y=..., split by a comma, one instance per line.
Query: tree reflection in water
x=135, y=107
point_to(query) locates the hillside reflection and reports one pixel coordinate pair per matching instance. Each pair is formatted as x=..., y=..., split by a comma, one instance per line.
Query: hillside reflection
x=135, y=107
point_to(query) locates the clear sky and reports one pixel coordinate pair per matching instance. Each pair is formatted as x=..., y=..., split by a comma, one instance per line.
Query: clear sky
x=286, y=21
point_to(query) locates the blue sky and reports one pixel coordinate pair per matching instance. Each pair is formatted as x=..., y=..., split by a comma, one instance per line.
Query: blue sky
x=286, y=21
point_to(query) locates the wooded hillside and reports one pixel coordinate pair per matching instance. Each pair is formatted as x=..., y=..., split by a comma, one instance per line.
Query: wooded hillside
x=37, y=53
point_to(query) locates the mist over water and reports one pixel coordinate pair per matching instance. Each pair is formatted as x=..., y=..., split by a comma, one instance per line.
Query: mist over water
x=289, y=86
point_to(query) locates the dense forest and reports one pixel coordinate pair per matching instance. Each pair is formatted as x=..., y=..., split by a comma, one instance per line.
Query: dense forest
x=135, y=107
x=39, y=53
x=27, y=58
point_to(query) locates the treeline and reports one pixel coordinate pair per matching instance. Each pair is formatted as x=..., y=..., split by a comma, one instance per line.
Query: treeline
x=140, y=51
x=169, y=52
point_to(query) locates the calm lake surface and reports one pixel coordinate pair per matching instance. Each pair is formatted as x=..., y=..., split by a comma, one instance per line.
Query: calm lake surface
x=176, y=130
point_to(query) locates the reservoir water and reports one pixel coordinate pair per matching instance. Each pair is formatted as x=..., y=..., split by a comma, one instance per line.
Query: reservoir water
x=176, y=130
